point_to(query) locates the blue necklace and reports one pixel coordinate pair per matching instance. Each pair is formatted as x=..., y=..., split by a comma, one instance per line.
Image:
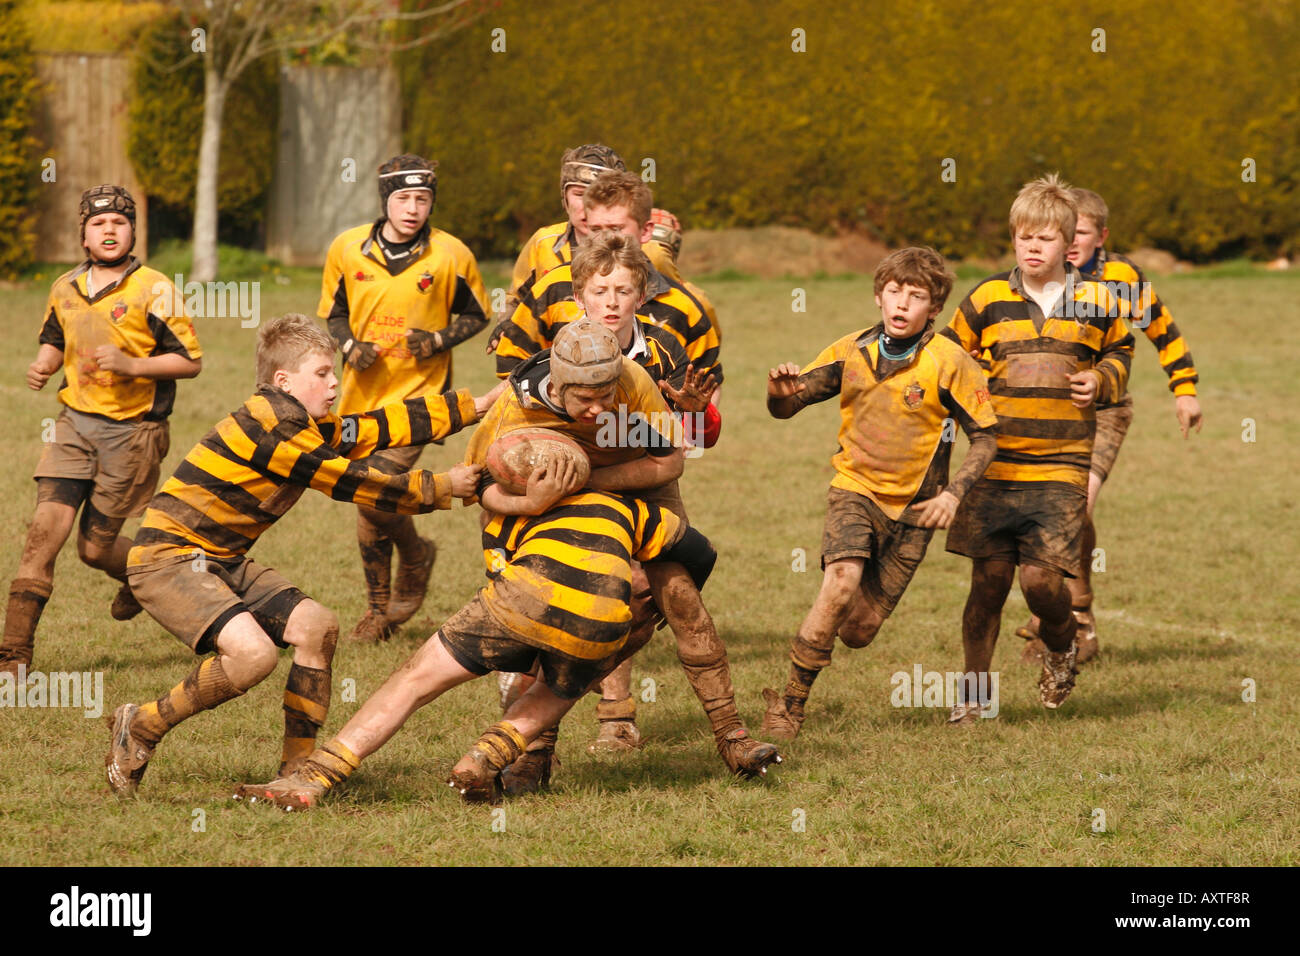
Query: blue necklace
x=898, y=358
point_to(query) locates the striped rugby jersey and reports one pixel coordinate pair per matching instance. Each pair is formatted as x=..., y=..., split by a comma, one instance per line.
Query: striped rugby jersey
x=1123, y=278
x=668, y=305
x=256, y=462
x=893, y=447
x=638, y=403
x=662, y=259
x=367, y=298
x=562, y=580
x=1028, y=358
x=142, y=315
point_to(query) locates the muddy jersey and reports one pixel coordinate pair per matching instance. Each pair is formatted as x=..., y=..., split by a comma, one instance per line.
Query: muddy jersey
x=562, y=580
x=897, y=421
x=1028, y=358
x=256, y=462
x=142, y=315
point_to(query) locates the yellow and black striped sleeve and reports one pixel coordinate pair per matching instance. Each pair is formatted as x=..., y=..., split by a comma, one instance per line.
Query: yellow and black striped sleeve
x=682, y=314
x=1114, y=361
x=1150, y=315
x=414, y=421
x=520, y=338
x=274, y=434
x=656, y=529
x=823, y=376
x=664, y=359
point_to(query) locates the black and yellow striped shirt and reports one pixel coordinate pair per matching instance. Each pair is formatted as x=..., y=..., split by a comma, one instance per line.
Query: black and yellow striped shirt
x=668, y=306
x=1146, y=312
x=1028, y=358
x=563, y=580
x=256, y=462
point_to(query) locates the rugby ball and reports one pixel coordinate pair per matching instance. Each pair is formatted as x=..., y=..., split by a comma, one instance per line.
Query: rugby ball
x=515, y=455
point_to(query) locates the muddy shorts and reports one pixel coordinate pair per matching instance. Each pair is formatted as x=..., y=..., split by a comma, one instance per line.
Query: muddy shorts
x=395, y=461
x=1112, y=425
x=857, y=528
x=1041, y=525
x=481, y=644
x=196, y=599
x=120, y=460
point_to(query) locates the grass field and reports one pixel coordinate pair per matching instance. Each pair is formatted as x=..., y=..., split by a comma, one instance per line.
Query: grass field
x=1199, y=593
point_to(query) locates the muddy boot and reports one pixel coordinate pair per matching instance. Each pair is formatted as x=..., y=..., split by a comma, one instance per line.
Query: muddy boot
x=745, y=756
x=1033, y=652
x=477, y=775
x=1029, y=630
x=1057, y=679
x=372, y=628
x=618, y=730
x=128, y=756
x=27, y=599
x=532, y=771
x=302, y=788
x=124, y=606
x=783, y=716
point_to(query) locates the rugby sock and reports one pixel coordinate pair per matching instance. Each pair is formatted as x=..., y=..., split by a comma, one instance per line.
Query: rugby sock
x=799, y=686
x=624, y=709
x=207, y=686
x=27, y=597
x=711, y=682
x=376, y=563
x=306, y=704
x=331, y=764
x=501, y=744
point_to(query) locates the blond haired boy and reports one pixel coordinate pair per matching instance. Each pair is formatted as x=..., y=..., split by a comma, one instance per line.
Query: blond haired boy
x=1052, y=343
x=900, y=388
x=190, y=568
x=1145, y=311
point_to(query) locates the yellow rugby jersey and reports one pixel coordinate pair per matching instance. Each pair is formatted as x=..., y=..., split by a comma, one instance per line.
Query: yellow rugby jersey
x=563, y=580
x=142, y=315
x=364, y=297
x=892, y=442
x=669, y=306
x=255, y=463
x=1028, y=358
x=641, y=423
x=1125, y=280
x=545, y=249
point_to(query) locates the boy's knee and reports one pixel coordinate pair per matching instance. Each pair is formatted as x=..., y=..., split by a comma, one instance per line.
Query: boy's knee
x=250, y=658
x=314, y=626
x=94, y=552
x=861, y=629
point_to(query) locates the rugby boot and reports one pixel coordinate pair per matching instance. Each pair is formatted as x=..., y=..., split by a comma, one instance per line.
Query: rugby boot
x=531, y=772
x=966, y=714
x=784, y=715
x=1033, y=652
x=373, y=628
x=411, y=585
x=618, y=730
x=745, y=756
x=299, y=790
x=125, y=606
x=128, y=756
x=1057, y=679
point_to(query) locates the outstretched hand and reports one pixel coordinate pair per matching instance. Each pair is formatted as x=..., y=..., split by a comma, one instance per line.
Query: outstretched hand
x=783, y=381
x=696, y=391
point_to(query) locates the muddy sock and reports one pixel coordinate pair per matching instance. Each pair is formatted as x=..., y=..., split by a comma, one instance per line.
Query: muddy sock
x=711, y=681
x=501, y=745
x=377, y=564
x=306, y=704
x=27, y=598
x=331, y=764
x=624, y=709
x=206, y=687
x=799, y=687
x=546, y=740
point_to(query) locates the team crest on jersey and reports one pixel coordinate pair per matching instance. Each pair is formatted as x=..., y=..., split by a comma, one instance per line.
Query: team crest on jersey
x=424, y=283
x=119, y=310
x=362, y=277
x=981, y=395
x=913, y=396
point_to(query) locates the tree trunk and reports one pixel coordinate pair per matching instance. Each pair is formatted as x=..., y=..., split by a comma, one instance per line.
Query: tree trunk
x=204, y=267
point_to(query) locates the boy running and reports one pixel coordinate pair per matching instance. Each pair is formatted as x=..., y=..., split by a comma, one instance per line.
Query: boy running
x=900, y=387
x=389, y=292
x=118, y=330
x=1145, y=311
x=190, y=568
x=1053, y=344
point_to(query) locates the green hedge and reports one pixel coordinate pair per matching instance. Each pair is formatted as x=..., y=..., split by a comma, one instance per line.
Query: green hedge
x=20, y=168
x=166, y=121
x=852, y=133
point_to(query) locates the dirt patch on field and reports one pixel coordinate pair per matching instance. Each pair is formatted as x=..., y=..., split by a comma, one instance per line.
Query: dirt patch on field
x=774, y=251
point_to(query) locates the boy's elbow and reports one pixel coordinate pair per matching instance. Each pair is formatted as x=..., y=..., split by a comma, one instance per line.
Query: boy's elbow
x=196, y=366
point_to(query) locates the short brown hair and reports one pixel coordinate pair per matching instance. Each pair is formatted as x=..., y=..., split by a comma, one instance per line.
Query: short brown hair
x=1090, y=204
x=602, y=253
x=621, y=189
x=920, y=266
x=1045, y=202
x=284, y=341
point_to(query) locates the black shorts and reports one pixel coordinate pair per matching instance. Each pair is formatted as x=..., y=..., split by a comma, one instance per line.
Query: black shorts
x=480, y=644
x=1040, y=525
